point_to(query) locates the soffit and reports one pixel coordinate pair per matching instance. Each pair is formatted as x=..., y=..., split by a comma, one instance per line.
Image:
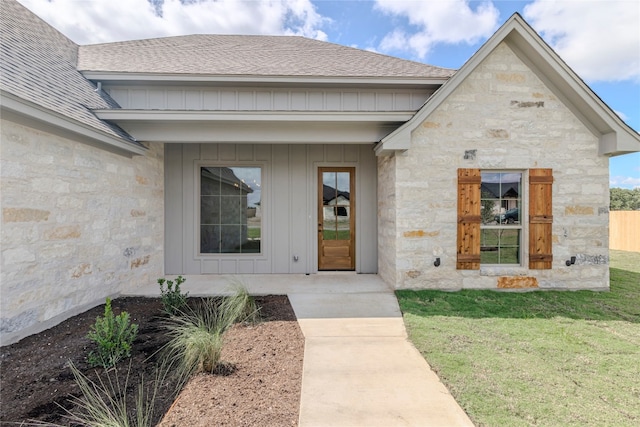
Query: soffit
x=256, y=127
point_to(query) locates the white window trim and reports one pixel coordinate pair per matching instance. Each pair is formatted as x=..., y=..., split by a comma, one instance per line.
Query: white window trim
x=487, y=269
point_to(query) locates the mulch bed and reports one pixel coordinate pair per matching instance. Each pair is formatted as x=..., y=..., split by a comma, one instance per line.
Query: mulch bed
x=263, y=388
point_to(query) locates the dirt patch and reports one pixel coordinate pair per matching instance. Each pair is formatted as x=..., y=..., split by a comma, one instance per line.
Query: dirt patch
x=263, y=388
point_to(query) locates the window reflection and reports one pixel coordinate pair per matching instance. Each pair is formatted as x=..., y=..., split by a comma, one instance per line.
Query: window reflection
x=336, y=201
x=501, y=215
x=501, y=197
x=230, y=214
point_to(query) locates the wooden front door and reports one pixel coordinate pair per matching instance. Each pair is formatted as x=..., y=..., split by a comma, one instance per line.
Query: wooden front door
x=336, y=218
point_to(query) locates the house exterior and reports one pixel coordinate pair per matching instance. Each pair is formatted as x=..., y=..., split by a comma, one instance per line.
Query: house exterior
x=124, y=162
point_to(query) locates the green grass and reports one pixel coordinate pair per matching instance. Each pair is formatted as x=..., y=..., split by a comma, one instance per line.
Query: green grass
x=254, y=232
x=537, y=358
x=500, y=246
x=336, y=234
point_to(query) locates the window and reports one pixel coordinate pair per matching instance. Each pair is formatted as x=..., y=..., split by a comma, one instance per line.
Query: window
x=230, y=211
x=490, y=213
x=500, y=212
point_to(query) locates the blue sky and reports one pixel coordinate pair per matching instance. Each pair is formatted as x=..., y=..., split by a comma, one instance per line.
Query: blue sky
x=599, y=39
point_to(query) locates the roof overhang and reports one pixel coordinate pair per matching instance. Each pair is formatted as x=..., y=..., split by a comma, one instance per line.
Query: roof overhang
x=122, y=78
x=615, y=136
x=30, y=114
x=257, y=127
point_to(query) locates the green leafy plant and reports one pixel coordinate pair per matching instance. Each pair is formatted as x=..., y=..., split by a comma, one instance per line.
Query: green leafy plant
x=197, y=335
x=173, y=300
x=114, y=336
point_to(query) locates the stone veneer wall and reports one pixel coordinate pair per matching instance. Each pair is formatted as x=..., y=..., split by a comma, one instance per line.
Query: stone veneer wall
x=387, y=262
x=501, y=117
x=78, y=224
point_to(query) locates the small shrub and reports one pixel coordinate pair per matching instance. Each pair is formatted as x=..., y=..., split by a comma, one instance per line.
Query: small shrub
x=173, y=300
x=114, y=336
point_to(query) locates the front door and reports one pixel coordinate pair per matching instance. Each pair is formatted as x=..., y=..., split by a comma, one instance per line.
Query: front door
x=336, y=218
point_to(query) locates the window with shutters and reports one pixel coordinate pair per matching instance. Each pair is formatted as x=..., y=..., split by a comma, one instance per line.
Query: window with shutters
x=491, y=224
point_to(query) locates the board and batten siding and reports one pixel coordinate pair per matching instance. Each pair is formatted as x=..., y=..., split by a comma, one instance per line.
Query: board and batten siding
x=289, y=210
x=260, y=99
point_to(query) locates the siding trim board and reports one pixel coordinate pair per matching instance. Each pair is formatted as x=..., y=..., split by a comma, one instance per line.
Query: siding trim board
x=264, y=99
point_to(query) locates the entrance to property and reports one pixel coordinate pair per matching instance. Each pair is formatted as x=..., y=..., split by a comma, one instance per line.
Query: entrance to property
x=336, y=218
x=276, y=221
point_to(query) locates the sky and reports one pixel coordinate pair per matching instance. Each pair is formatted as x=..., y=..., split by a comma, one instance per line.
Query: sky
x=598, y=39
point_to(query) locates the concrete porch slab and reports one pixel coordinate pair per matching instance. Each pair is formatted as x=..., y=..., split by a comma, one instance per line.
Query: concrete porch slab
x=353, y=314
x=271, y=284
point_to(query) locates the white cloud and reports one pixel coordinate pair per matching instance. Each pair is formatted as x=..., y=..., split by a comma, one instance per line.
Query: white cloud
x=629, y=182
x=599, y=39
x=622, y=115
x=99, y=21
x=450, y=21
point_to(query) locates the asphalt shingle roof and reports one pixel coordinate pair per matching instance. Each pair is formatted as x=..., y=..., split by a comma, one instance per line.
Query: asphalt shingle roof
x=245, y=55
x=38, y=64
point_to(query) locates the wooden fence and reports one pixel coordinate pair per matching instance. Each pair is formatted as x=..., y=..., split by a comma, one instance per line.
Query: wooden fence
x=624, y=230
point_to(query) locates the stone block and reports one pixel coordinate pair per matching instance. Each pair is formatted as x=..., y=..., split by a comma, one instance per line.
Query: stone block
x=507, y=282
x=578, y=210
x=63, y=233
x=17, y=256
x=24, y=215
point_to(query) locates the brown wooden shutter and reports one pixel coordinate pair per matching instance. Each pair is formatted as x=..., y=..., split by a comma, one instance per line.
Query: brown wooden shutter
x=468, y=245
x=540, y=219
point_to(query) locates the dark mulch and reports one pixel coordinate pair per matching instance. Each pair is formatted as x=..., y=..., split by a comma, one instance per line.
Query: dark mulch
x=37, y=384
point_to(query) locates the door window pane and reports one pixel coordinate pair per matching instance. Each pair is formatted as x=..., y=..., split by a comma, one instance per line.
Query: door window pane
x=230, y=210
x=336, y=203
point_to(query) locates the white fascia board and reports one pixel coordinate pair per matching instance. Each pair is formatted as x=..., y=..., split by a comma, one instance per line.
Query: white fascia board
x=552, y=69
x=616, y=137
x=119, y=115
x=21, y=107
x=138, y=78
x=613, y=144
x=400, y=139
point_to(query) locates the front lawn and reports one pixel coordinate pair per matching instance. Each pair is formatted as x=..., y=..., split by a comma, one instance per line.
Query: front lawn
x=536, y=358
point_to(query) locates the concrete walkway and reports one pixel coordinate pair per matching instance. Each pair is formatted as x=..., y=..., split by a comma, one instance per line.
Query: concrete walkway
x=359, y=368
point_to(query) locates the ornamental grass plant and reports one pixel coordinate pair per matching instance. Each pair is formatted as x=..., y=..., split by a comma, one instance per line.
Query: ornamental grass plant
x=103, y=403
x=197, y=333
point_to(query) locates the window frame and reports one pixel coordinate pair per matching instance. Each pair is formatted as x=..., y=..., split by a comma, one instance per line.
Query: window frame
x=198, y=209
x=520, y=226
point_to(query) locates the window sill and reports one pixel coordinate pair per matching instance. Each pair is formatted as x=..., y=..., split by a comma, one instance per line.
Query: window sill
x=504, y=270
